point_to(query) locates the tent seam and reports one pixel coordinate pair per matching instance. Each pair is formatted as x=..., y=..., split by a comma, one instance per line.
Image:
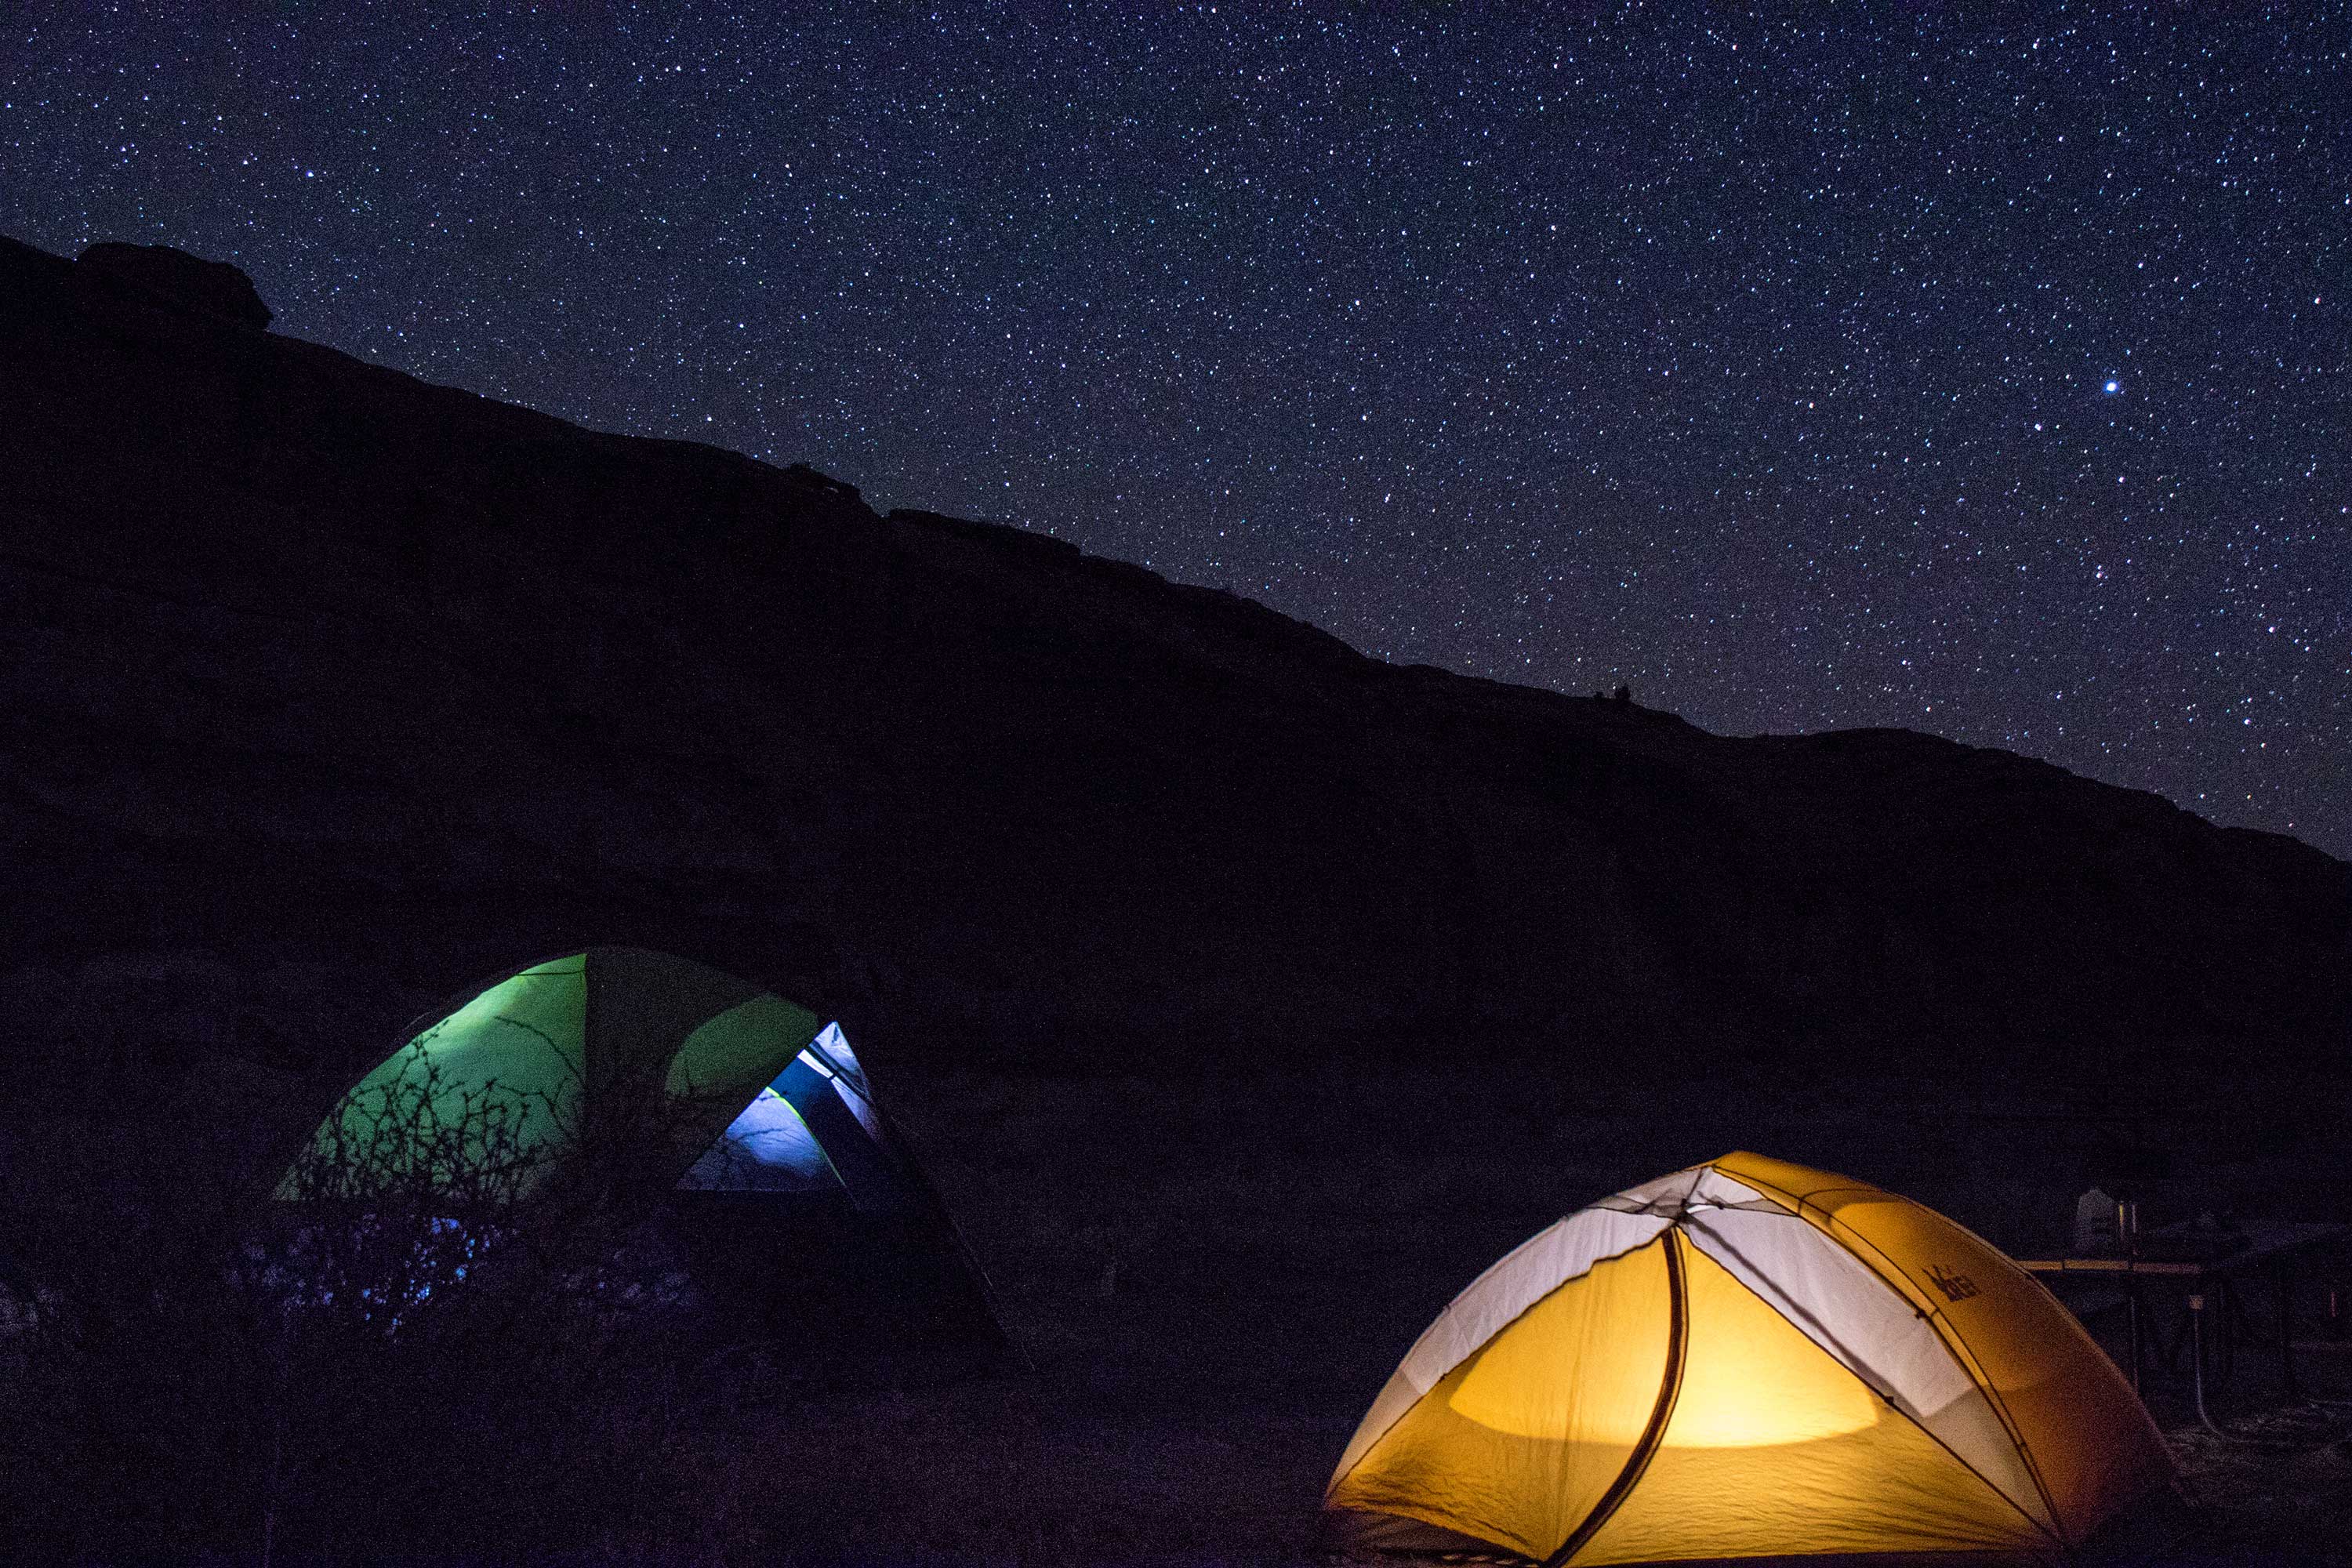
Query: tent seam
x=1949, y=1336
x=1990, y=1485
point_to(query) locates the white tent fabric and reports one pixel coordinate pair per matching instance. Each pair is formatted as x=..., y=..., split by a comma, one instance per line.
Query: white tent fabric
x=830, y=1053
x=834, y=1049
x=1525, y=1276
x=1834, y=1300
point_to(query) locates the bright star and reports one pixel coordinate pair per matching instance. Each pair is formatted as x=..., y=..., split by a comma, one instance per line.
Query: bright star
x=2115, y=386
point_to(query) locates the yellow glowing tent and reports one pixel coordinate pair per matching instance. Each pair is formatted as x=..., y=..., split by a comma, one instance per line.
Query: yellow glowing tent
x=1746, y=1359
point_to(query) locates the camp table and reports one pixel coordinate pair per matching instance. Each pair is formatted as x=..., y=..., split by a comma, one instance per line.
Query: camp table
x=2268, y=1247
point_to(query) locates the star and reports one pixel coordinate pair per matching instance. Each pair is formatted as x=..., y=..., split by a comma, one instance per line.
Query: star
x=1419, y=323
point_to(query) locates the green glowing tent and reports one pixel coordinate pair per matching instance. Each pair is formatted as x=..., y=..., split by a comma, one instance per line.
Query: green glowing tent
x=658, y=1081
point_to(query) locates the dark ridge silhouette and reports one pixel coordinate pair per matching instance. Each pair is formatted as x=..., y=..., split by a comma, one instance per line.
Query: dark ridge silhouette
x=164, y=275
x=339, y=690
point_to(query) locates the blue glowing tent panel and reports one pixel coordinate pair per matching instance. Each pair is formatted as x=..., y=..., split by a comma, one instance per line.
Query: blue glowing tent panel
x=812, y=1132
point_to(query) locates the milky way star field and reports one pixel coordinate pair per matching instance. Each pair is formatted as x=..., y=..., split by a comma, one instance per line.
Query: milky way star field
x=1979, y=370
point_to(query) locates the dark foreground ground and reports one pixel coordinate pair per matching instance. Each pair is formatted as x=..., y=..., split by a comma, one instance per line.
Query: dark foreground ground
x=1212, y=1277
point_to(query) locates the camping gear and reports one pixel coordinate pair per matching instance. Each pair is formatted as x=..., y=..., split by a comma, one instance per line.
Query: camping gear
x=1746, y=1359
x=2098, y=1224
x=2206, y=1265
x=748, y=1138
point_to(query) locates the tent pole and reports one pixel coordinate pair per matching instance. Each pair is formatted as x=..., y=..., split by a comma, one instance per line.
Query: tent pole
x=1669, y=1389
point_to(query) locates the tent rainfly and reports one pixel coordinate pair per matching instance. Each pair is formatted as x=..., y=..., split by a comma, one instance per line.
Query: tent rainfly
x=1747, y=1359
x=656, y=1075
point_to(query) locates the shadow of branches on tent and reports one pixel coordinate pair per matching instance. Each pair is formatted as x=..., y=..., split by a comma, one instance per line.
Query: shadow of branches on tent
x=419, y=1338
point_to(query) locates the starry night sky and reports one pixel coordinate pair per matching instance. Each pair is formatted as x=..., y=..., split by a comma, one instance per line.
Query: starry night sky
x=1980, y=370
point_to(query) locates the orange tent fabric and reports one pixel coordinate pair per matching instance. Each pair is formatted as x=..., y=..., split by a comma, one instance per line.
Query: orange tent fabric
x=1747, y=1359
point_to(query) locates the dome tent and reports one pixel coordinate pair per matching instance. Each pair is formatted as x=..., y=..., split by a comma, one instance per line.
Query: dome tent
x=752, y=1135
x=1747, y=1359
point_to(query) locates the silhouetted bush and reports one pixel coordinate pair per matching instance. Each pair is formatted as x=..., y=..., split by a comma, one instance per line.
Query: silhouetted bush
x=472, y=1365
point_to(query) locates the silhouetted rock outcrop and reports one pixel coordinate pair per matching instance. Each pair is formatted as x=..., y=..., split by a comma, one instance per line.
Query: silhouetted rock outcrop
x=353, y=689
x=171, y=277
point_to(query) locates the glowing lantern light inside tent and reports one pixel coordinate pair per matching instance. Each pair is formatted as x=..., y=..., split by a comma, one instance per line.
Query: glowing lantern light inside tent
x=1746, y=1359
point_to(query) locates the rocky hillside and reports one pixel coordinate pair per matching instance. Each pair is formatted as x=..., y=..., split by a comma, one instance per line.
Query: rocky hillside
x=328, y=690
